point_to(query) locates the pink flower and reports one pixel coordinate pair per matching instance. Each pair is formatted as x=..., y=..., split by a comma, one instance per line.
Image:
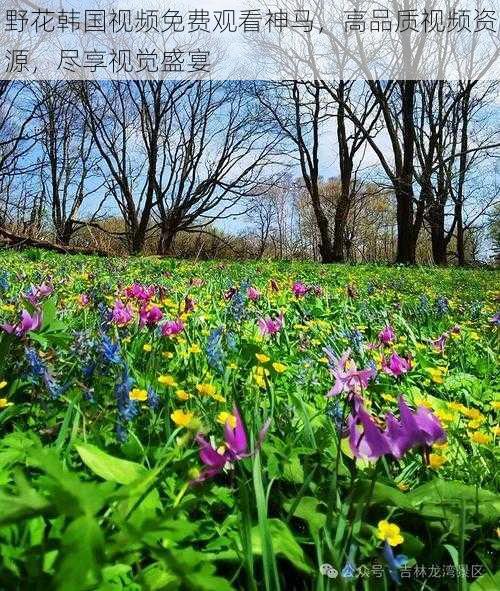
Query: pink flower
x=140, y=292
x=396, y=366
x=348, y=378
x=27, y=323
x=386, y=336
x=83, y=299
x=299, y=290
x=149, y=315
x=172, y=327
x=121, y=315
x=270, y=326
x=253, y=294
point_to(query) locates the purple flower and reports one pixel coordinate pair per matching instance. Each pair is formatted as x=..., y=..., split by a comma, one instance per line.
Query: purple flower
x=396, y=365
x=386, y=336
x=235, y=447
x=121, y=314
x=496, y=319
x=149, y=315
x=414, y=429
x=440, y=343
x=368, y=442
x=172, y=327
x=299, y=290
x=271, y=326
x=253, y=294
x=420, y=428
x=27, y=323
x=347, y=376
x=36, y=294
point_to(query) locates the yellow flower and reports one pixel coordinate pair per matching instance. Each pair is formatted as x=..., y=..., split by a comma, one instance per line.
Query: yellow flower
x=147, y=347
x=388, y=398
x=495, y=404
x=323, y=360
x=137, y=394
x=219, y=398
x=168, y=354
x=458, y=406
x=181, y=418
x=403, y=487
x=226, y=417
x=206, y=389
x=474, y=336
x=436, y=374
x=476, y=423
x=445, y=417
x=496, y=431
x=279, y=367
x=471, y=413
x=182, y=394
x=436, y=461
x=261, y=358
x=390, y=533
x=424, y=402
x=480, y=438
x=167, y=380
x=233, y=366
x=4, y=403
x=3, y=384
x=194, y=349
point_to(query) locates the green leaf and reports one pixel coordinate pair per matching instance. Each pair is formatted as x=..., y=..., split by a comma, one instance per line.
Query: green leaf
x=486, y=582
x=82, y=554
x=308, y=510
x=284, y=544
x=108, y=467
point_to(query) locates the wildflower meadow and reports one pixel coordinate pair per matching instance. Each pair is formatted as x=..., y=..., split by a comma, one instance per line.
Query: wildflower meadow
x=189, y=425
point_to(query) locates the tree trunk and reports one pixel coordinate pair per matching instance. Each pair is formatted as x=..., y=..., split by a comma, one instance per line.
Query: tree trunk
x=438, y=235
x=407, y=237
x=406, y=244
x=346, y=166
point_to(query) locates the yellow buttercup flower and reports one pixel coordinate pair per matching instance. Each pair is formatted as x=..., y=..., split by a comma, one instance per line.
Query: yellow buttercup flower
x=233, y=366
x=480, y=438
x=279, y=367
x=436, y=461
x=218, y=397
x=403, y=487
x=226, y=417
x=194, y=349
x=390, y=533
x=138, y=394
x=168, y=354
x=167, y=380
x=495, y=404
x=437, y=374
x=206, y=389
x=181, y=418
x=147, y=347
x=182, y=394
x=4, y=403
x=3, y=384
x=262, y=358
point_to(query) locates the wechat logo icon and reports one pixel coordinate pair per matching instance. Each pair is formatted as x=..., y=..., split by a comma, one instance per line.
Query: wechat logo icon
x=329, y=571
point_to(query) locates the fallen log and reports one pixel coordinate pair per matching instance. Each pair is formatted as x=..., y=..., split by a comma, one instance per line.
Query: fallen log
x=13, y=240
